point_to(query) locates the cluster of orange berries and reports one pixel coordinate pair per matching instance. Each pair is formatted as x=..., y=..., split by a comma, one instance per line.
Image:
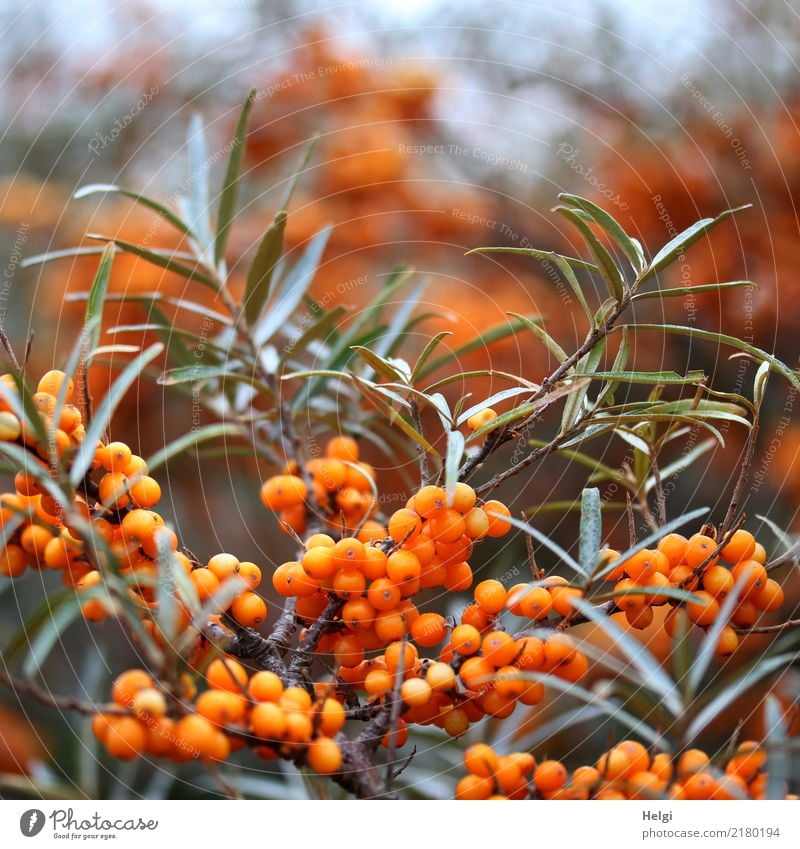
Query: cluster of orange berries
x=696, y=566
x=627, y=771
x=236, y=710
x=114, y=511
x=343, y=490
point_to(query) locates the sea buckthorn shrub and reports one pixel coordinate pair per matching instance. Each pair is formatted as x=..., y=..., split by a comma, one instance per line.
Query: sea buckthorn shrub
x=391, y=620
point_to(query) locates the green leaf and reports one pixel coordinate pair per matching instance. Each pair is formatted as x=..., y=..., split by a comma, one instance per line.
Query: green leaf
x=429, y=348
x=503, y=395
x=493, y=334
x=609, y=270
x=741, y=684
x=585, y=368
x=649, y=377
x=572, y=261
x=163, y=211
x=316, y=330
x=66, y=253
x=721, y=338
x=294, y=287
x=543, y=336
x=299, y=169
x=675, y=247
x=524, y=411
x=591, y=529
x=780, y=767
x=651, y=675
x=197, y=201
x=53, y=627
x=259, y=277
x=102, y=417
x=229, y=195
x=708, y=647
x=221, y=371
x=167, y=614
x=190, y=440
x=629, y=246
x=607, y=706
x=691, y=290
x=161, y=260
x=97, y=296
x=452, y=462
x=569, y=274
x=379, y=364
x=683, y=462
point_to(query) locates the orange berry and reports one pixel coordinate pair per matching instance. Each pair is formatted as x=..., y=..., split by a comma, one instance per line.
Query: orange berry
x=759, y=554
x=448, y=526
x=14, y=560
x=282, y=492
x=404, y=525
x=728, y=642
x=378, y=682
x=476, y=673
x=491, y=596
x=415, y=692
x=205, y=582
x=705, y=611
x=558, y=648
x=52, y=382
x=125, y=738
x=268, y=721
x=498, y=648
x=349, y=583
x=430, y=501
x=250, y=574
x=481, y=760
x=146, y=492
x=127, y=684
x=530, y=654
x=673, y=546
x=463, y=498
x=112, y=490
x=717, y=580
x=402, y=566
x=691, y=762
x=770, y=597
x=332, y=717
x=265, y=686
x=753, y=575
x=324, y=756
x=342, y=448
x=440, y=677
x=497, y=526
x=249, y=610
x=549, y=776
x=428, y=629
x=646, y=563
x=481, y=419
x=318, y=562
x=348, y=553
x=563, y=597
x=223, y=566
x=476, y=523
x=465, y=639
x=536, y=604
x=221, y=707
x=358, y=613
x=702, y=785
x=226, y=674
x=614, y=764
x=473, y=788
x=698, y=550
x=457, y=577
x=740, y=546
x=390, y=625
x=347, y=651
x=383, y=594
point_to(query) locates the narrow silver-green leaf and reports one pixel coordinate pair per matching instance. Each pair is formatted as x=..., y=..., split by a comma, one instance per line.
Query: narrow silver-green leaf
x=259, y=277
x=691, y=290
x=163, y=211
x=629, y=246
x=675, y=247
x=721, y=338
x=609, y=271
x=102, y=416
x=452, y=462
x=229, y=195
x=591, y=529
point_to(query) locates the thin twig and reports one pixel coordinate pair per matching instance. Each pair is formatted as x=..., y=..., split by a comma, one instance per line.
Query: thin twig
x=72, y=703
